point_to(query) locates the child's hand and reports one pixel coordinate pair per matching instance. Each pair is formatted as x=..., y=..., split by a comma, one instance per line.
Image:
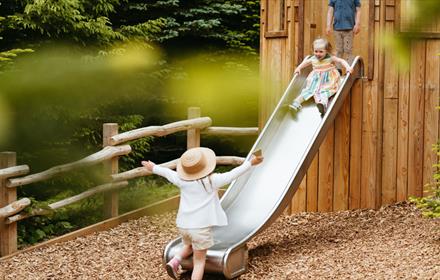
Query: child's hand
x=297, y=71
x=349, y=70
x=148, y=165
x=256, y=160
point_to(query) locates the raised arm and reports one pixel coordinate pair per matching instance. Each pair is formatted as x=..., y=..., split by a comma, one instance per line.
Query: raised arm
x=167, y=173
x=343, y=62
x=219, y=180
x=306, y=62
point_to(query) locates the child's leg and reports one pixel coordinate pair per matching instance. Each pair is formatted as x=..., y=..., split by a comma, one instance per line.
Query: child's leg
x=185, y=252
x=172, y=266
x=299, y=99
x=296, y=104
x=199, y=258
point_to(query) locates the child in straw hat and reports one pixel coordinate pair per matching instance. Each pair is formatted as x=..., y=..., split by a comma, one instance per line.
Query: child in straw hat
x=199, y=208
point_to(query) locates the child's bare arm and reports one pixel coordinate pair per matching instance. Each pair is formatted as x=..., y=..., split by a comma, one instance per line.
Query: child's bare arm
x=343, y=62
x=306, y=62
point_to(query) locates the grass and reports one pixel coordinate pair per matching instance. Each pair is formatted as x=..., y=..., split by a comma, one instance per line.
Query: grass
x=145, y=192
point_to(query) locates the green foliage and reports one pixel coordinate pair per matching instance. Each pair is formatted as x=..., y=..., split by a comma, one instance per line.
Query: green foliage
x=57, y=103
x=424, y=14
x=7, y=57
x=430, y=204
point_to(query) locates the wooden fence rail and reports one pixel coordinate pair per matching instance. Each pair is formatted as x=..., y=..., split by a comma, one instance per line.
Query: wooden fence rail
x=67, y=201
x=14, y=171
x=161, y=130
x=14, y=207
x=10, y=207
x=105, y=154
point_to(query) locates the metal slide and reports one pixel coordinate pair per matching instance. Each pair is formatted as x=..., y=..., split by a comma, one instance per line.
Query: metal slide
x=254, y=201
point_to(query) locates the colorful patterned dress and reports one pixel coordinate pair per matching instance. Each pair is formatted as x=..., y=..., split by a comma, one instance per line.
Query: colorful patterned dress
x=322, y=82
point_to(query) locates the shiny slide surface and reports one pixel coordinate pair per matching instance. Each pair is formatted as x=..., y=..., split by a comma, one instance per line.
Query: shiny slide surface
x=289, y=142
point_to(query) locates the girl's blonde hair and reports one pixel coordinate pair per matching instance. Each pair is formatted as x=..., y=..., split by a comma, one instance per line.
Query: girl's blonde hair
x=322, y=43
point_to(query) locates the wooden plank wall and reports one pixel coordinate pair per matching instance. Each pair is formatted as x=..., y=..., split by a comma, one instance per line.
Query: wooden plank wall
x=379, y=149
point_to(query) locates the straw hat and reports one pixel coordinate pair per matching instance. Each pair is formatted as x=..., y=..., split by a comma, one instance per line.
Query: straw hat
x=196, y=163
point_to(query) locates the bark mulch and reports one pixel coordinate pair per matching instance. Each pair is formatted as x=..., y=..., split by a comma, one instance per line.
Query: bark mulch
x=393, y=242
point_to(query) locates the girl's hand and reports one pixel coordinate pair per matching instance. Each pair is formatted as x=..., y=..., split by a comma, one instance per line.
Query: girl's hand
x=256, y=160
x=349, y=70
x=297, y=71
x=148, y=165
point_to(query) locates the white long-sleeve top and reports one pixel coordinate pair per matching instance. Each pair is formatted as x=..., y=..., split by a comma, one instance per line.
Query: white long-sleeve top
x=199, y=203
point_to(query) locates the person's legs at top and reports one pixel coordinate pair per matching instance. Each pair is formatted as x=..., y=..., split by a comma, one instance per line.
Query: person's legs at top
x=348, y=45
x=339, y=42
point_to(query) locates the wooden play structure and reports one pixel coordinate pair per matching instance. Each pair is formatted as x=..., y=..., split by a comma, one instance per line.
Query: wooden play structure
x=379, y=150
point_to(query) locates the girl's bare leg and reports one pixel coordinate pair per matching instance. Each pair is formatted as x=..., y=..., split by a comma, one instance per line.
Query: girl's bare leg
x=199, y=258
x=296, y=104
x=185, y=252
x=172, y=266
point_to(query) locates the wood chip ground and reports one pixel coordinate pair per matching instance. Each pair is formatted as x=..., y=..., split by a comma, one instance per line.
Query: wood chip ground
x=393, y=242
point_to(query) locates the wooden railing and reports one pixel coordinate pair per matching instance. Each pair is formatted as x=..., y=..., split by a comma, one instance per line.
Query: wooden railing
x=11, y=209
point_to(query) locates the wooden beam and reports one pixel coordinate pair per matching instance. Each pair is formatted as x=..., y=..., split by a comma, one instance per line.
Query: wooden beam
x=342, y=157
x=67, y=201
x=230, y=131
x=14, y=207
x=14, y=171
x=111, y=198
x=193, y=134
x=355, y=145
x=8, y=233
x=416, y=118
x=326, y=173
x=432, y=99
x=104, y=154
x=197, y=123
x=403, y=137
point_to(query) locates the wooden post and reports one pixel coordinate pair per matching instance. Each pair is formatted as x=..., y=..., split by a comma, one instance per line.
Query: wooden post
x=111, y=198
x=8, y=233
x=193, y=135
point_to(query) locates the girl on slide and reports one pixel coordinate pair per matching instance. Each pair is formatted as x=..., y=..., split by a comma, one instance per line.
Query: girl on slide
x=323, y=81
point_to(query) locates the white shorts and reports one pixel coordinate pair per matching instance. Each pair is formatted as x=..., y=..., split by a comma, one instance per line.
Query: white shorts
x=199, y=238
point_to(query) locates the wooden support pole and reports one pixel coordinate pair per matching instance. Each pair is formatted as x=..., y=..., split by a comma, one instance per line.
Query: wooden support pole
x=111, y=199
x=8, y=233
x=193, y=135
